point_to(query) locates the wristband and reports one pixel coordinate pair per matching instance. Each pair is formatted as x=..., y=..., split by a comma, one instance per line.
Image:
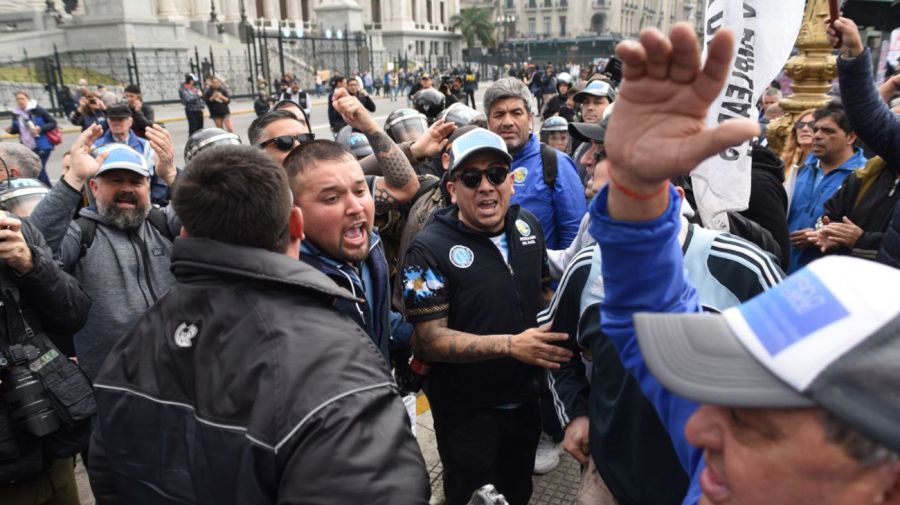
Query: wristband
x=634, y=195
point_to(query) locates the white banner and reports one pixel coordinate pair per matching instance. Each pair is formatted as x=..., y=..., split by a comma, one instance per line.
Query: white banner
x=765, y=31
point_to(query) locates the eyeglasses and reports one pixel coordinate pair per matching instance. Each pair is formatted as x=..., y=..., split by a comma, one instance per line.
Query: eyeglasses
x=799, y=125
x=599, y=154
x=285, y=143
x=472, y=178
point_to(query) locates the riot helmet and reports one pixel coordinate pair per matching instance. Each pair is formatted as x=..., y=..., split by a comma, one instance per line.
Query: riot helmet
x=564, y=78
x=20, y=196
x=429, y=102
x=555, y=132
x=355, y=141
x=461, y=115
x=404, y=125
x=206, y=137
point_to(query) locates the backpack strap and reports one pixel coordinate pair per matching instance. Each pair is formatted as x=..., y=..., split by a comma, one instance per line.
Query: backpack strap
x=88, y=231
x=550, y=164
x=158, y=220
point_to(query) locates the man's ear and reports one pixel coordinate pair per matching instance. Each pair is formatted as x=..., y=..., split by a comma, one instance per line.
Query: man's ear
x=295, y=224
x=451, y=188
x=445, y=161
x=14, y=171
x=93, y=185
x=852, y=138
x=680, y=191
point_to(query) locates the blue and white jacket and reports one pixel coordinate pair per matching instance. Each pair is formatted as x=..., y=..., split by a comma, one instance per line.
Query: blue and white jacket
x=559, y=211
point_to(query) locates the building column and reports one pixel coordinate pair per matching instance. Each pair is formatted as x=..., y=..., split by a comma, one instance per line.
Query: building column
x=271, y=9
x=231, y=10
x=293, y=10
x=167, y=9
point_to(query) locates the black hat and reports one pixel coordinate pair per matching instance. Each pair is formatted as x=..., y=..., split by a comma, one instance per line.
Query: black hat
x=118, y=110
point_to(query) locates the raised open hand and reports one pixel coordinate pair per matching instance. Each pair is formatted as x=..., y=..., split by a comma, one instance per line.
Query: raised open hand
x=658, y=130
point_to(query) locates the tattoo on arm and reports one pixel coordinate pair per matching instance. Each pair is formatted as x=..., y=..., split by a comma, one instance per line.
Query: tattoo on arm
x=384, y=201
x=436, y=342
x=394, y=165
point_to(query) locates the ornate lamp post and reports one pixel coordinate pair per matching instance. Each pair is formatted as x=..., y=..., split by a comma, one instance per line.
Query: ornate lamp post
x=812, y=71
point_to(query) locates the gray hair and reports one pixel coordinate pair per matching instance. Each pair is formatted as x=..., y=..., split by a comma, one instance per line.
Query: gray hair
x=773, y=92
x=20, y=157
x=507, y=87
x=858, y=446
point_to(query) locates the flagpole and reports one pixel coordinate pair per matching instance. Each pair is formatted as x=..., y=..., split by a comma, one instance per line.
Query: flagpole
x=811, y=71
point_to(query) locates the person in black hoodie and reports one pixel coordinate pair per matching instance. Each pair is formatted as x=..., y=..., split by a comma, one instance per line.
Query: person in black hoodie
x=768, y=199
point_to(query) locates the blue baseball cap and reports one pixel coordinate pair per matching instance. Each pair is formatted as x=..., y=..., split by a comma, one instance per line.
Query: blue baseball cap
x=472, y=141
x=122, y=157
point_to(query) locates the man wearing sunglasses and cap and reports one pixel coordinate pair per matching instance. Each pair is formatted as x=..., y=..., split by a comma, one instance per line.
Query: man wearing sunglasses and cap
x=473, y=282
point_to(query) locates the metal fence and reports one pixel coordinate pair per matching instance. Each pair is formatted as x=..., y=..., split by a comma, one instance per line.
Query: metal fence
x=257, y=65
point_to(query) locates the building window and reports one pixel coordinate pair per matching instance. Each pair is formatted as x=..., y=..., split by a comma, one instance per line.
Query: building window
x=443, y=14
x=448, y=48
x=547, y=25
x=548, y=3
x=376, y=11
x=563, y=3
x=510, y=4
x=428, y=12
x=304, y=9
x=532, y=26
x=412, y=6
x=562, y=26
x=420, y=47
x=532, y=4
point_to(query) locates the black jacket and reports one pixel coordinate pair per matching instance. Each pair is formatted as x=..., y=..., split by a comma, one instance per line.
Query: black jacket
x=454, y=272
x=768, y=200
x=52, y=302
x=244, y=385
x=142, y=119
x=889, y=254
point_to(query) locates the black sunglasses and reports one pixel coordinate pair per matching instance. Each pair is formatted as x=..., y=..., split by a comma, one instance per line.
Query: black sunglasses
x=285, y=143
x=800, y=124
x=472, y=178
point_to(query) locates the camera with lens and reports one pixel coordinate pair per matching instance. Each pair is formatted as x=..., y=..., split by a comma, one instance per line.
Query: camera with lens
x=23, y=392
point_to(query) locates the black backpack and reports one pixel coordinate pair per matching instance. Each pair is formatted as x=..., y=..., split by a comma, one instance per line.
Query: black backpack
x=157, y=219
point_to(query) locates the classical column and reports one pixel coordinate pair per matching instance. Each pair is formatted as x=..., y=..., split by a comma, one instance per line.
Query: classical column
x=231, y=10
x=293, y=10
x=167, y=9
x=271, y=9
x=812, y=71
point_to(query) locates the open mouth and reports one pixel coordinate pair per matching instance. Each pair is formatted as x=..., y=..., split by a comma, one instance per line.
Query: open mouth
x=488, y=207
x=713, y=485
x=356, y=234
x=126, y=201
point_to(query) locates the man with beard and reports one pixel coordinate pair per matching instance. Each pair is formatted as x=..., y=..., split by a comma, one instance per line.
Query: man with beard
x=118, y=249
x=121, y=120
x=544, y=179
x=339, y=205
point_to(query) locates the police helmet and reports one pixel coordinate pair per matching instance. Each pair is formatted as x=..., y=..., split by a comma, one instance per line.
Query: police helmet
x=208, y=137
x=20, y=196
x=461, y=115
x=564, y=78
x=553, y=124
x=429, y=102
x=404, y=125
x=355, y=141
x=596, y=87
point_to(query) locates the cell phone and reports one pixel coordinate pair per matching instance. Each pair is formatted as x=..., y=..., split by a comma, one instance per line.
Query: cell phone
x=834, y=12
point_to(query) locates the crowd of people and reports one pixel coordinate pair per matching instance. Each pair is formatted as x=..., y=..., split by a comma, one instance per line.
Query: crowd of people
x=249, y=328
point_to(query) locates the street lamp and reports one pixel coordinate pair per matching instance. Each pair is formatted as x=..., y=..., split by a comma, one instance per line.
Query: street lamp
x=214, y=18
x=505, y=21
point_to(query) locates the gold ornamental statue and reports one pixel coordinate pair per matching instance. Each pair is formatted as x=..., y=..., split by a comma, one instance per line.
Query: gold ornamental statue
x=812, y=71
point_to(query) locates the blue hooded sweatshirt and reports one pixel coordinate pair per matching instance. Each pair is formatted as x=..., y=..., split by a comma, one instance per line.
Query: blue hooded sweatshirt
x=559, y=211
x=643, y=271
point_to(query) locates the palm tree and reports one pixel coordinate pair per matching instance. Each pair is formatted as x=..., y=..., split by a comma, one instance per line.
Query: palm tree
x=475, y=23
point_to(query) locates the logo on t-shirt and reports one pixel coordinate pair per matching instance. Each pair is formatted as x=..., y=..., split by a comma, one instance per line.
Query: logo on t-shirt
x=461, y=256
x=519, y=175
x=184, y=334
x=523, y=228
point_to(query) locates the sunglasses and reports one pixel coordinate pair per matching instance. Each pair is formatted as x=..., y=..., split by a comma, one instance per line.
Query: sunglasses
x=472, y=178
x=799, y=125
x=285, y=143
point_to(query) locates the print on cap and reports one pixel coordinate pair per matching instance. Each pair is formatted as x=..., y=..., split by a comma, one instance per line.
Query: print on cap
x=792, y=311
x=461, y=256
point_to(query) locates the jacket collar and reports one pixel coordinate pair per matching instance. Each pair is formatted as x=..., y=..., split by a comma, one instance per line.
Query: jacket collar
x=191, y=254
x=450, y=217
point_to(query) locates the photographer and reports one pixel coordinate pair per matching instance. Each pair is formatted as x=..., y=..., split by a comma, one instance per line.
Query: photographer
x=91, y=110
x=45, y=401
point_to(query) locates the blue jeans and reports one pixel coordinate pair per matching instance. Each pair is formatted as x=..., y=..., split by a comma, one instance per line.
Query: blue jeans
x=44, y=155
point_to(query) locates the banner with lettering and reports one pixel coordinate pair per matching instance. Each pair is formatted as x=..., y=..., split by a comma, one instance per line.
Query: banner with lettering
x=765, y=32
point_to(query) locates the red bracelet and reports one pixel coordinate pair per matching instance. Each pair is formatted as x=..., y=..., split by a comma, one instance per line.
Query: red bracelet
x=636, y=196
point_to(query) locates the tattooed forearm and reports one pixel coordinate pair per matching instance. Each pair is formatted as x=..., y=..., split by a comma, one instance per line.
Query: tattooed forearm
x=384, y=201
x=394, y=165
x=436, y=342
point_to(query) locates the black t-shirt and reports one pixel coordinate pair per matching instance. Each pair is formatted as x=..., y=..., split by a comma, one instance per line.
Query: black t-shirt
x=216, y=108
x=453, y=272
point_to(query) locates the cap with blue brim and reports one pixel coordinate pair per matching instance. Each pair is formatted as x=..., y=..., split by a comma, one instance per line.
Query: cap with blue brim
x=122, y=157
x=474, y=141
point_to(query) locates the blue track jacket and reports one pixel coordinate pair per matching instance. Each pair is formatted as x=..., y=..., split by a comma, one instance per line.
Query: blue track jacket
x=811, y=191
x=559, y=212
x=643, y=271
